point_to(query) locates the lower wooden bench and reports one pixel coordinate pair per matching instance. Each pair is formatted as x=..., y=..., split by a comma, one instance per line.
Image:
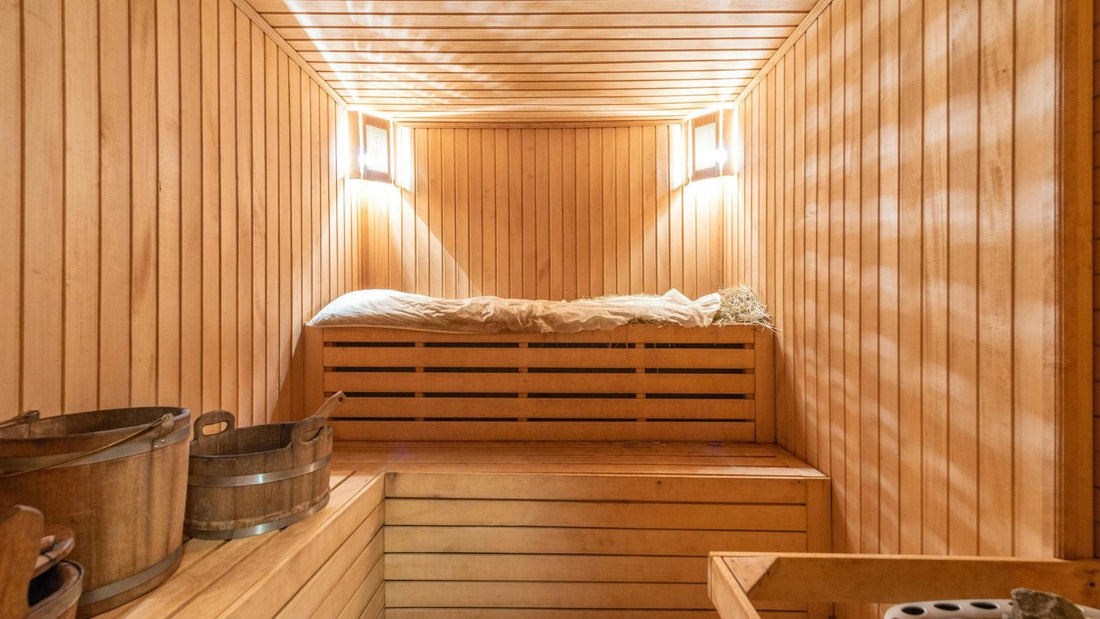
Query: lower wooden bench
x=328, y=565
x=461, y=529
x=739, y=580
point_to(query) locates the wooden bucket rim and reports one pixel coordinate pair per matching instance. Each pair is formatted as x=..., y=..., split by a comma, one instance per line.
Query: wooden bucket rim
x=178, y=415
x=83, y=448
x=65, y=596
x=325, y=431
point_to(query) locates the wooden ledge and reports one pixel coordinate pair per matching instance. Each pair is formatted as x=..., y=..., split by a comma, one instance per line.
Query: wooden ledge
x=681, y=458
x=737, y=579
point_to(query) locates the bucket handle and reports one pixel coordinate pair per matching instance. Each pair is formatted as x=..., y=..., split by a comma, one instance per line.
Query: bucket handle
x=317, y=422
x=210, y=418
x=24, y=417
x=315, y=425
x=333, y=402
x=163, y=426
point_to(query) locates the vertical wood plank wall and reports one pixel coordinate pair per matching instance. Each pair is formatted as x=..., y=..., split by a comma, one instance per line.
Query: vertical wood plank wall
x=171, y=207
x=898, y=214
x=547, y=213
x=1096, y=268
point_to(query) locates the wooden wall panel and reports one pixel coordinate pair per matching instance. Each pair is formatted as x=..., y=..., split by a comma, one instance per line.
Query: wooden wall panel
x=548, y=213
x=11, y=192
x=1096, y=261
x=147, y=209
x=904, y=212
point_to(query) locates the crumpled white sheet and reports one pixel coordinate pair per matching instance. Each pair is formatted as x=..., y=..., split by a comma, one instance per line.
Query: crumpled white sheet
x=390, y=308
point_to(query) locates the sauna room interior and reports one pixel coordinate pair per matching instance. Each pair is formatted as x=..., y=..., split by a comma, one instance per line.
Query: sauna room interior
x=906, y=186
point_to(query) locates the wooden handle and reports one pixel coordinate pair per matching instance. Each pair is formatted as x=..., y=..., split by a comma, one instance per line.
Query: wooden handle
x=23, y=417
x=308, y=430
x=210, y=418
x=56, y=544
x=161, y=428
x=333, y=402
x=20, y=532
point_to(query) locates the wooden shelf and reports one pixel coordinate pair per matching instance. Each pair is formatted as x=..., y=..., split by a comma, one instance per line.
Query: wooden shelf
x=738, y=582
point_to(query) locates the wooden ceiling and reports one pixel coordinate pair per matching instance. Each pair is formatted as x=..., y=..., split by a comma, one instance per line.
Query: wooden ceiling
x=535, y=60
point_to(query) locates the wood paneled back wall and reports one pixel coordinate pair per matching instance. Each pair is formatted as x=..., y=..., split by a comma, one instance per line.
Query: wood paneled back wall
x=171, y=206
x=546, y=213
x=1096, y=273
x=901, y=214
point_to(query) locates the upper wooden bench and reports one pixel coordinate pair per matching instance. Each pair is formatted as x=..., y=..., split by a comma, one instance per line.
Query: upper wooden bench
x=637, y=382
x=512, y=529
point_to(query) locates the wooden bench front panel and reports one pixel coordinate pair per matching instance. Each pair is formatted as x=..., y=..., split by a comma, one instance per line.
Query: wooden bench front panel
x=638, y=382
x=527, y=543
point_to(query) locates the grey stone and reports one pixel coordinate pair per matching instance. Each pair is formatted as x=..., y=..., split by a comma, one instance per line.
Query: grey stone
x=1030, y=604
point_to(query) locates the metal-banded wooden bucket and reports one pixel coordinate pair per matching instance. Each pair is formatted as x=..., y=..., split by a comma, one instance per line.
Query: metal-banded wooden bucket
x=248, y=481
x=55, y=593
x=118, y=479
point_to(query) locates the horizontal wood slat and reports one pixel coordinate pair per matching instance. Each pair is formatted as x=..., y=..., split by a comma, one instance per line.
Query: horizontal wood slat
x=653, y=334
x=703, y=76
x=429, y=21
x=459, y=512
x=521, y=382
x=748, y=49
x=549, y=408
x=556, y=613
x=547, y=595
x=551, y=568
x=584, y=540
x=542, y=358
x=735, y=38
x=695, y=489
x=561, y=613
x=361, y=430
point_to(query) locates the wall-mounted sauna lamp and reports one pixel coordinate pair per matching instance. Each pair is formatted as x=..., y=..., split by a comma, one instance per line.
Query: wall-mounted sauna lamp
x=371, y=147
x=711, y=141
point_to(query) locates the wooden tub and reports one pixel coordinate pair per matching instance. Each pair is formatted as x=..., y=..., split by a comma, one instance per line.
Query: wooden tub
x=117, y=478
x=247, y=481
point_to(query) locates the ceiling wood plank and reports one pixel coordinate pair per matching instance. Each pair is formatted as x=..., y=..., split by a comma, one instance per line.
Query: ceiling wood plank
x=525, y=33
x=467, y=69
x=536, y=58
x=526, y=6
x=491, y=58
x=532, y=20
x=751, y=37
x=516, y=61
x=369, y=99
x=522, y=116
x=460, y=90
x=437, y=77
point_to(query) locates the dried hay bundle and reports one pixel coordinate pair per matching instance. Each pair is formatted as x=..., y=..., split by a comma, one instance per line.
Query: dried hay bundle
x=740, y=306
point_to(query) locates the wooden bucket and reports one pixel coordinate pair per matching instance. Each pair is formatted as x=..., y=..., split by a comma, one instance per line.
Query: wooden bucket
x=117, y=478
x=55, y=593
x=248, y=481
